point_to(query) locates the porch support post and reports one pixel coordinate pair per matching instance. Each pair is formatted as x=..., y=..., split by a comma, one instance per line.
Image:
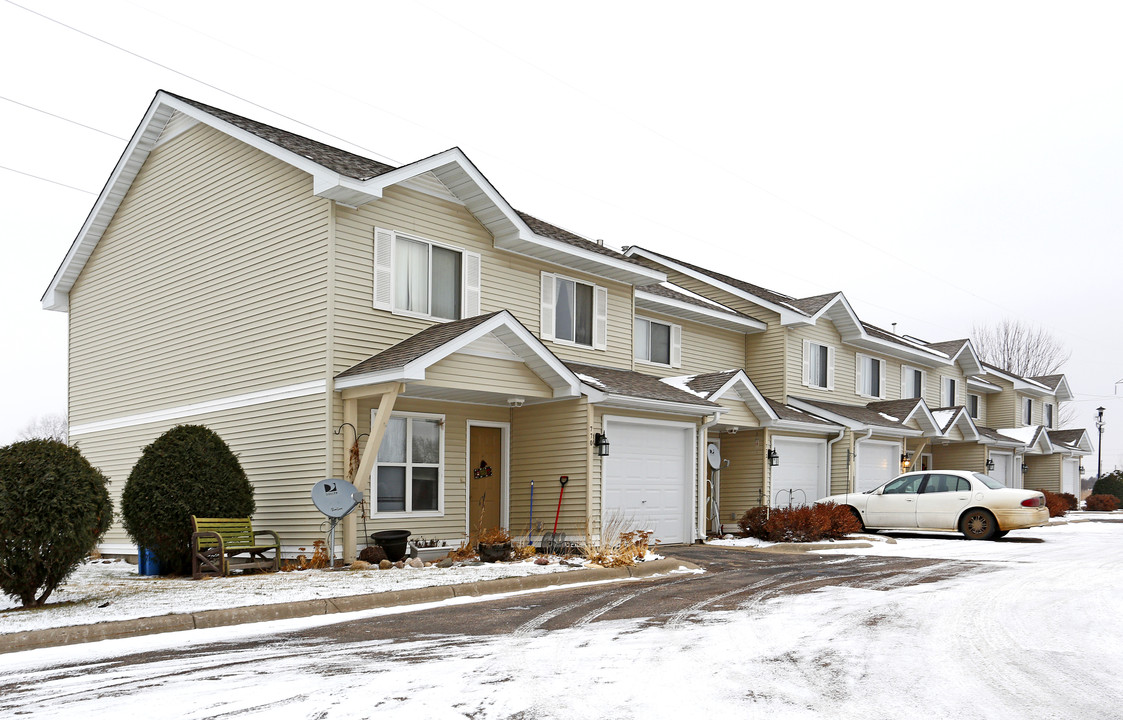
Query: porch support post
x=369, y=454
x=916, y=453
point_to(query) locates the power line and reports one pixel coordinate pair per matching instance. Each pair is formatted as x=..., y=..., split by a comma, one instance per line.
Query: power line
x=170, y=69
x=40, y=177
x=60, y=117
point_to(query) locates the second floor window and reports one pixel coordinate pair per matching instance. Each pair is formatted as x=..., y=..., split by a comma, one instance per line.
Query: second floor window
x=574, y=311
x=912, y=382
x=1027, y=411
x=871, y=376
x=949, y=390
x=1048, y=411
x=973, y=406
x=415, y=276
x=657, y=342
x=818, y=365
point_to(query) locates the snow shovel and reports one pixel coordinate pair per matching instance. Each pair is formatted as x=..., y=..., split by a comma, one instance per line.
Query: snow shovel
x=556, y=543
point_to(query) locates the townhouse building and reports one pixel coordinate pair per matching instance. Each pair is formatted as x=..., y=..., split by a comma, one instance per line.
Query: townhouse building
x=330, y=315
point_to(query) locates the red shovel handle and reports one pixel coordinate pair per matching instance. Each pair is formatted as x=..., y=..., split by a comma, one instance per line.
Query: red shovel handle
x=564, y=480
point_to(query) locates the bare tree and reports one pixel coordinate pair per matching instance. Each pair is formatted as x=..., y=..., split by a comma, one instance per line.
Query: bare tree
x=52, y=426
x=1019, y=348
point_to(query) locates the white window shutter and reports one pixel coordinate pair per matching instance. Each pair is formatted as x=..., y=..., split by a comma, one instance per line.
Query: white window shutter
x=859, y=374
x=881, y=379
x=676, y=346
x=383, y=268
x=472, y=283
x=830, y=368
x=548, y=300
x=807, y=362
x=600, y=318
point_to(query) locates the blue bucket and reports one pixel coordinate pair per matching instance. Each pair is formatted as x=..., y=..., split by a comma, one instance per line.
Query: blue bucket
x=146, y=562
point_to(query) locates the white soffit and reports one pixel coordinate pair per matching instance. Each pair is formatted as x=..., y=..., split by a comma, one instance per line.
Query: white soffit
x=696, y=313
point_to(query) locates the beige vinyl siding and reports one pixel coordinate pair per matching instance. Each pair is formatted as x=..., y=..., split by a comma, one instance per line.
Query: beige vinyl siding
x=470, y=372
x=509, y=282
x=742, y=483
x=549, y=440
x=737, y=413
x=279, y=444
x=210, y=281
x=1044, y=473
x=764, y=351
x=452, y=524
x=840, y=459
x=705, y=348
x=983, y=400
x=971, y=457
x=1002, y=407
x=823, y=333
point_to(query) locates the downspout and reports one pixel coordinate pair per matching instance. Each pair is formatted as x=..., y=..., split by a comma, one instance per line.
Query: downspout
x=700, y=518
x=857, y=442
x=830, y=461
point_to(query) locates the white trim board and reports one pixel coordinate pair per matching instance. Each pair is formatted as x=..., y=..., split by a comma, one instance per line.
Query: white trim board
x=232, y=402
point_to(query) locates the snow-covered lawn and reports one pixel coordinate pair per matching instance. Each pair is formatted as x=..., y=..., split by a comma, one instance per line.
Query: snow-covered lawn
x=101, y=591
x=1029, y=631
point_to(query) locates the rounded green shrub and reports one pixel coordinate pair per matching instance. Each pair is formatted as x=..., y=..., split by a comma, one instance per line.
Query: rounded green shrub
x=187, y=471
x=1110, y=484
x=54, y=506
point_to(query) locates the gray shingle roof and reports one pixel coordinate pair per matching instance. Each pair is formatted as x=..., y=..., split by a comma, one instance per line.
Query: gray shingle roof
x=870, y=414
x=815, y=303
x=709, y=383
x=1050, y=381
x=358, y=167
x=1067, y=437
x=787, y=412
x=662, y=291
x=415, y=346
x=633, y=384
x=995, y=435
x=950, y=348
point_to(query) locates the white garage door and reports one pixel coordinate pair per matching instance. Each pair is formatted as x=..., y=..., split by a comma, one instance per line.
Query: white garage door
x=800, y=478
x=878, y=462
x=1003, y=465
x=648, y=478
x=1071, y=477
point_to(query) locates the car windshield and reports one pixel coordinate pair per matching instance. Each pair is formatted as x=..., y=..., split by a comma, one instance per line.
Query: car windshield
x=989, y=481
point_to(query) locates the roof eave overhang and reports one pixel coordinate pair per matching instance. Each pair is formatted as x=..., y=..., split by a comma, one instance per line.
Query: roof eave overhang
x=552, y=371
x=628, y=402
x=982, y=386
x=484, y=201
x=747, y=392
x=797, y=426
x=697, y=313
x=855, y=425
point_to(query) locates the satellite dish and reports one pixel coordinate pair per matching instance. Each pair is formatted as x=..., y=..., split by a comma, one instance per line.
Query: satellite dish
x=713, y=456
x=335, y=497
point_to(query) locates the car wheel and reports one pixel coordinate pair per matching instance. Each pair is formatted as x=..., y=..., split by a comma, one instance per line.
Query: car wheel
x=858, y=517
x=978, y=525
x=1001, y=534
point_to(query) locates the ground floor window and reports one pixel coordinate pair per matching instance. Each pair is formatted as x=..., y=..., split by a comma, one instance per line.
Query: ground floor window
x=408, y=471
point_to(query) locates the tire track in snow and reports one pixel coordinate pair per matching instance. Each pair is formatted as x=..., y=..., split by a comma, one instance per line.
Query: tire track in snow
x=539, y=620
x=678, y=619
x=621, y=600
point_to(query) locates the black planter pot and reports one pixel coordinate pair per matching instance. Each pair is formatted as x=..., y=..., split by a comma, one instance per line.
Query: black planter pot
x=494, y=552
x=393, y=542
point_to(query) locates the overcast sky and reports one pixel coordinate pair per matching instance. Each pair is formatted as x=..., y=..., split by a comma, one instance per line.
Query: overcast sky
x=943, y=167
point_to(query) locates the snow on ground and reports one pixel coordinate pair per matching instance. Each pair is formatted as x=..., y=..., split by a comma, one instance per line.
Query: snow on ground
x=1027, y=631
x=126, y=595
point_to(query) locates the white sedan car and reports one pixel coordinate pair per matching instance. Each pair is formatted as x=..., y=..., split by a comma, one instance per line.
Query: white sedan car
x=976, y=505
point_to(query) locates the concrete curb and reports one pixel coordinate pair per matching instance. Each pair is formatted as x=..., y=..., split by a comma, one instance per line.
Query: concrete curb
x=76, y=634
x=794, y=548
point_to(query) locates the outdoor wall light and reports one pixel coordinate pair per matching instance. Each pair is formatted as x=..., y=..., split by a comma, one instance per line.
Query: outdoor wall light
x=773, y=457
x=1081, y=469
x=1025, y=468
x=600, y=442
x=906, y=463
x=990, y=464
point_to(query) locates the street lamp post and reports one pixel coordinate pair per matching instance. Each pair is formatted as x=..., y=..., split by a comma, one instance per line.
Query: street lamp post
x=1100, y=444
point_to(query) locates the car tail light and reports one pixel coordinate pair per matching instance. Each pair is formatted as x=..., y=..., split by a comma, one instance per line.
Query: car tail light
x=1034, y=501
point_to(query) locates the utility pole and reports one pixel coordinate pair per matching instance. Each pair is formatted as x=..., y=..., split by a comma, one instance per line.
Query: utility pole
x=1100, y=444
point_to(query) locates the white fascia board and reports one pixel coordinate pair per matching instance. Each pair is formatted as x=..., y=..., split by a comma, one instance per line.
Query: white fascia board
x=376, y=378
x=982, y=386
x=595, y=396
x=857, y=333
x=971, y=364
x=852, y=423
x=691, y=311
x=1021, y=384
x=922, y=357
x=923, y=416
x=797, y=426
x=628, y=402
x=1068, y=394
x=966, y=425
x=457, y=156
x=788, y=315
x=57, y=294
x=756, y=402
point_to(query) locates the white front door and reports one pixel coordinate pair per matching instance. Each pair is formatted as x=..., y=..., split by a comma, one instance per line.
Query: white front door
x=648, y=478
x=878, y=463
x=1003, y=467
x=800, y=476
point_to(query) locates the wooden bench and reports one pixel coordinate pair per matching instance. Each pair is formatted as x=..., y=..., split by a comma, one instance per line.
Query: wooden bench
x=217, y=545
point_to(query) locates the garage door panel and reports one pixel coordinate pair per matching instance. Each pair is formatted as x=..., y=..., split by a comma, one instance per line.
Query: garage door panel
x=798, y=479
x=648, y=476
x=878, y=463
